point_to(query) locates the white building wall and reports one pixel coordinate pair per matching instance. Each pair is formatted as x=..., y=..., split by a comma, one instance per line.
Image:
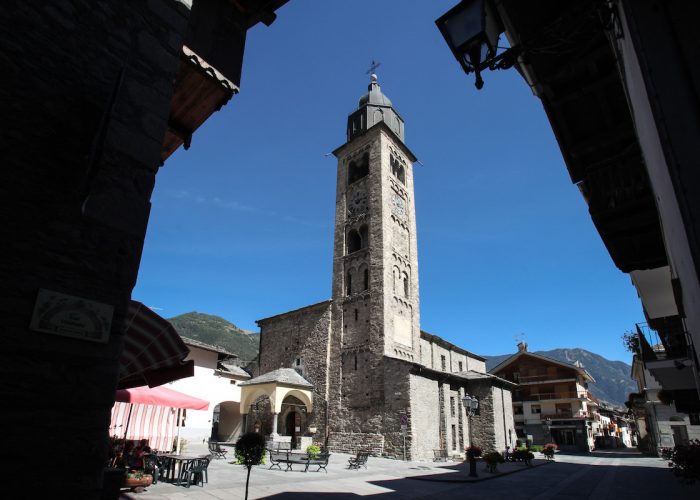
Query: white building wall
x=205, y=384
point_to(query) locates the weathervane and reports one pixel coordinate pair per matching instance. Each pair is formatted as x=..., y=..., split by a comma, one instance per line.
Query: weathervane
x=373, y=67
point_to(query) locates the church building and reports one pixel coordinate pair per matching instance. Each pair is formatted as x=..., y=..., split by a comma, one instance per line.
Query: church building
x=356, y=372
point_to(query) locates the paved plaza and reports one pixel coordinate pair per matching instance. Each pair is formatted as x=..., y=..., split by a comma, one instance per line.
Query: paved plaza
x=619, y=474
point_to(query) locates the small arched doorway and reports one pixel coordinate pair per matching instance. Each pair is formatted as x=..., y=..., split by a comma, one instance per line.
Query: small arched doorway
x=293, y=427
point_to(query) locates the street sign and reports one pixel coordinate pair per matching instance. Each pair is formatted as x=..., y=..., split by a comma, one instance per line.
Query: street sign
x=404, y=420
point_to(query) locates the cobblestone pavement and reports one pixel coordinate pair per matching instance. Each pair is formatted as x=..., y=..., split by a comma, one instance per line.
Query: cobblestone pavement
x=600, y=475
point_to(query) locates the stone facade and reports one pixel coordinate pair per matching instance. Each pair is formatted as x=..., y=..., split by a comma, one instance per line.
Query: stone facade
x=386, y=385
x=89, y=92
x=298, y=339
x=86, y=88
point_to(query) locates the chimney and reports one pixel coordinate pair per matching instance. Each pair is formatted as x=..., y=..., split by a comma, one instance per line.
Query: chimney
x=522, y=346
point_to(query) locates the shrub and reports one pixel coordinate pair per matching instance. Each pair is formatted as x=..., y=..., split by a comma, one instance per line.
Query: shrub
x=313, y=450
x=549, y=450
x=493, y=457
x=685, y=461
x=535, y=448
x=251, y=449
x=631, y=341
x=473, y=452
x=523, y=454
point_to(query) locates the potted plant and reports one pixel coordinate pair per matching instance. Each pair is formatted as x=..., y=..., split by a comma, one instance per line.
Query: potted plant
x=492, y=460
x=523, y=455
x=473, y=452
x=313, y=451
x=137, y=479
x=548, y=451
x=685, y=460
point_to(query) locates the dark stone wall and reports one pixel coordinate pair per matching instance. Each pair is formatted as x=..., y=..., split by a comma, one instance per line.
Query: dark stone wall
x=302, y=334
x=85, y=91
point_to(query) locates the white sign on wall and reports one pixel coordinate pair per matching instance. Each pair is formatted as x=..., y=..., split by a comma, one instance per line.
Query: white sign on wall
x=70, y=316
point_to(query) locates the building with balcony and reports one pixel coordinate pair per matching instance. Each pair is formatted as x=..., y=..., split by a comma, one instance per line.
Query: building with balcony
x=552, y=402
x=619, y=83
x=615, y=428
x=660, y=419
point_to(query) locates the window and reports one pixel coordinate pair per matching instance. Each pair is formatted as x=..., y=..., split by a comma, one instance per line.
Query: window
x=535, y=409
x=364, y=236
x=460, y=366
x=348, y=284
x=355, y=361
x=356, y=314
x=354, y=241
x=443, y=363
x=452, y=407
x=405, y=285
x=517, y=410
x=358, y=169
x=454, y=437
x=365, y=279
x=397, y=169
x=297, y=361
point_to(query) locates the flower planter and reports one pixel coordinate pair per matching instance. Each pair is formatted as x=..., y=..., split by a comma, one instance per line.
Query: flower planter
x=142, y=482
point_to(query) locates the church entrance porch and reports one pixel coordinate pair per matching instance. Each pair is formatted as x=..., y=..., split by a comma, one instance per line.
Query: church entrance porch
x=282, y=402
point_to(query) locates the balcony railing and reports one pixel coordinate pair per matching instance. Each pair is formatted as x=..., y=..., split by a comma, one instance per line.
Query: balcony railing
x=542, y=378
x=668, y=342
x=592, y=397
x=546, y=396
x=567, y=414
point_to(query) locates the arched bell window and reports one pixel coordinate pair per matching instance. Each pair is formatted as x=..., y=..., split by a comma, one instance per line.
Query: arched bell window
x=364, y=236
x=354, y=241
x=358, y=169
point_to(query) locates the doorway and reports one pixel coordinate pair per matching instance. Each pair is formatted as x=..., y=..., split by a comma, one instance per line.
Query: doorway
x=293, y=426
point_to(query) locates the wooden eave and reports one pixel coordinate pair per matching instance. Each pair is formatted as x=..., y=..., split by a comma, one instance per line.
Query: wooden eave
x=199, y=91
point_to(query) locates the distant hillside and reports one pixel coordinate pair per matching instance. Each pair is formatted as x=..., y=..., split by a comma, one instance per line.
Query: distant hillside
x=217, y=332
x=613, y=382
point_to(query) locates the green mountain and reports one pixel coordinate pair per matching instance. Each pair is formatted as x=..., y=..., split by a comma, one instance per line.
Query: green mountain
x=218, y=332
x=612, y=378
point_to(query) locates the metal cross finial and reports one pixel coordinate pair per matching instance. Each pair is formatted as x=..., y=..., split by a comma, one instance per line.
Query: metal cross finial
x=373, y=67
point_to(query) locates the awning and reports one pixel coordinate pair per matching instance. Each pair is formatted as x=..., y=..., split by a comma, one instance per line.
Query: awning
x=160, y=396
x=154, y=353
x=149, y=413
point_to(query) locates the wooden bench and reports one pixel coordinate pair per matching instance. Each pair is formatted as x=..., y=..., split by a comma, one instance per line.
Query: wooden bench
x=440, y=455
x=359, y=461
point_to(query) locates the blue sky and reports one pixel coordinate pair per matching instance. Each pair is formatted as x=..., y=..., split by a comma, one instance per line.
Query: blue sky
x=242, y=223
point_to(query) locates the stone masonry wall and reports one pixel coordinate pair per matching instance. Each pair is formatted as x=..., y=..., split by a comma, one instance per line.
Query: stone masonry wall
x=300, y=335
x=483, y=432
x=425, y=418
x=356, y=386
x=352, y=442
x=490, y=427
x=86, y=88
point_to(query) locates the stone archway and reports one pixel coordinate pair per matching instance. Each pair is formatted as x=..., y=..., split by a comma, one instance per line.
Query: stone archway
x=283, y=388
x=293, y=419
x=229, y=424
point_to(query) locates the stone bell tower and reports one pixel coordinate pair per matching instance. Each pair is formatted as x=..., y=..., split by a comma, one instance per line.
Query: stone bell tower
x=375, y=265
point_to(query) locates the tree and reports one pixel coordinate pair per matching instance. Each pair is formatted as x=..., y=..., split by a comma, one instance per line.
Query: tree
x=250, y=450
